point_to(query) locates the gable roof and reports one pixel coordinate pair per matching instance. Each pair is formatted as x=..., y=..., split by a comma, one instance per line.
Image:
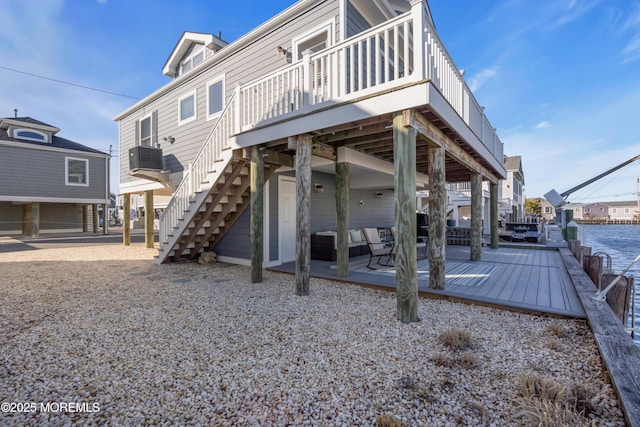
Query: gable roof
x=514, y=164
x=56, y=141
x=188, y=38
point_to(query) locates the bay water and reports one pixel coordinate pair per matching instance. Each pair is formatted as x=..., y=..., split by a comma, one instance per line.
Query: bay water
x=622, y=243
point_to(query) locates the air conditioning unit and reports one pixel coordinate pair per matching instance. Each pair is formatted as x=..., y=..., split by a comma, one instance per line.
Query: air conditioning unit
x=143, y=157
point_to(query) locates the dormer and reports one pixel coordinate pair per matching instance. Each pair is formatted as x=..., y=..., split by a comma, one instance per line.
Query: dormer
x=28, y=129
x=192, y=50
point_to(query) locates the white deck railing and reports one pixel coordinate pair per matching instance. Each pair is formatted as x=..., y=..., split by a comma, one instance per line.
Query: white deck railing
x=388, y=55
x=207, y=162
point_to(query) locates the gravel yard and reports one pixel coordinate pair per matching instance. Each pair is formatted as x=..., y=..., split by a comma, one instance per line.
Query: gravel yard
x=101, y=334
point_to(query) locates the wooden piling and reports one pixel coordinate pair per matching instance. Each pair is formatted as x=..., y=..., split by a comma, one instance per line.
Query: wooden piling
x=342, y=218
x=404, y=160
x=437, y=217
x=126, y=220
x=493, y=201
x=149, y=214
x=303, y=215
x=476, y=217
x=257, y=213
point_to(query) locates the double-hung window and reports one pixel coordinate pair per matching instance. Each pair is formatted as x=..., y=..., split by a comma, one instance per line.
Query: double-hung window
x=187, y=108
x=147, y=130
x=215, y=97
x=76, y=171
x=316, y=40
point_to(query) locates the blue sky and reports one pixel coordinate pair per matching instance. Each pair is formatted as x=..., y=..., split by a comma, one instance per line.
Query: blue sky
x=560, y=79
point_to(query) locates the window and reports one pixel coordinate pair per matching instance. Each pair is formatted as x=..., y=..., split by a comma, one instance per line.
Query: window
x=76, y=171
x=187, y=108
x=315, y=41
x=193, y=58
x=547, y=209
x=215, y=98
x=30, y=135
x=614, y=210
x=147, y=130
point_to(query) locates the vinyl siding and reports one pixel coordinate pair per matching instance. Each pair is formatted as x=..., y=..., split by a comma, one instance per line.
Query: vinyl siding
x=253, y=61
x=10, y=217
x=355, y=21
x=53, y=216
x=27, y=172
x=375, y=212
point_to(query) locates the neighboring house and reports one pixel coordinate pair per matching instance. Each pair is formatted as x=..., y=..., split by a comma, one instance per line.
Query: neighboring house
x=622, y=211
x=547, y=210
x=595, y=211
x=512, y=200
x=577, y=208
x=320, y=90
x=48, y=183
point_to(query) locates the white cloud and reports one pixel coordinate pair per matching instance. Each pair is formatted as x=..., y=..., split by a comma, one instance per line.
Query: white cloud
x=542, y=125
x=479, y=79
x=631, y=51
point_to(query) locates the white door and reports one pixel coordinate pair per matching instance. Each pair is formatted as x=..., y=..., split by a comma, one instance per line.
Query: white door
x=287, y=218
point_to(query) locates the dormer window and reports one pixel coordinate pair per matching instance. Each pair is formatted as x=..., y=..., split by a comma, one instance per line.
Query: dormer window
x=191, y=59
x=30, y=135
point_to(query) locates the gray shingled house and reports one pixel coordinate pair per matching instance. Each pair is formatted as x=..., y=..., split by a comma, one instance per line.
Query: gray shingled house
x=48, y=184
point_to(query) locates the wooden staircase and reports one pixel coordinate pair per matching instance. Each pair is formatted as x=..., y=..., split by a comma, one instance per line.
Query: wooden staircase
x=210, y=198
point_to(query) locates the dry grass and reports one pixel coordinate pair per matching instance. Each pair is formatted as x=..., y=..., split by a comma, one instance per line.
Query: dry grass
x=456, y=339
x=548, y=403
x=466, y=361
x=557, y=330
x=388, y=420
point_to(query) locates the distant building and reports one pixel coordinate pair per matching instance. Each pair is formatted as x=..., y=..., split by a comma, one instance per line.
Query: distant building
x=547, y=211
x=577, y=208
x=625, y=210
x=596, y=211
x=511, y=205
x=48, y=183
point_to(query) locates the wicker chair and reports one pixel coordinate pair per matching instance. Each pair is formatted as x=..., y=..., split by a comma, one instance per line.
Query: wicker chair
x=376, y=247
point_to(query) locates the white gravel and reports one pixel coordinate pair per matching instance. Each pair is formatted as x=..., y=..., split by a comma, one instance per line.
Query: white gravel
x=128, y=342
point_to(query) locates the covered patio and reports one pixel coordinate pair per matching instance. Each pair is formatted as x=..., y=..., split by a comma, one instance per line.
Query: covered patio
x=518, y=279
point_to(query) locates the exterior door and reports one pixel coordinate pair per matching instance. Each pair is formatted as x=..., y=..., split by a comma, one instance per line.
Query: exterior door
x=287, y=218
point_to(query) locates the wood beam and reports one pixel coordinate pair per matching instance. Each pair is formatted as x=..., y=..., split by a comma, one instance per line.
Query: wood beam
x=257, y=213
x=437, y=217
x=493, y=200
x=342, y=218
x=96, y=222
x=404, y=148
x=476, y=216
x=436, y=136
x=126, y=220
x=149, y=214
x=303, y=213
x=85, y=218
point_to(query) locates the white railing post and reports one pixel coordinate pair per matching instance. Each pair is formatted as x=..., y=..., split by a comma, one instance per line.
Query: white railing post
x=307, y=85
x=419, y=24
x=238, y=107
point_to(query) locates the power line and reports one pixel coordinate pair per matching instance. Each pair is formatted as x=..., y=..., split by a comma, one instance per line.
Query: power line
x=68, y=83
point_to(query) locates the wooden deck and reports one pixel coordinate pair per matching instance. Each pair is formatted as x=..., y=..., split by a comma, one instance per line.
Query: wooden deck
x=518, y=279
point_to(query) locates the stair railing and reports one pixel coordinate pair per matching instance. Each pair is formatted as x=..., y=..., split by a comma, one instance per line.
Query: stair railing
x=203, y=165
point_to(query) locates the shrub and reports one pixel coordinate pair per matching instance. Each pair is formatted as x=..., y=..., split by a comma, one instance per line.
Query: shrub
x=456, y=339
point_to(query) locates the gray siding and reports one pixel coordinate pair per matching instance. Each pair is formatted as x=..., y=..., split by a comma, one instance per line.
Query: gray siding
x=255, y=60
x=355, y=21
x=375, y=212
x=61, y=216
x=27, y=172
x=58, y=216
x=10, y=217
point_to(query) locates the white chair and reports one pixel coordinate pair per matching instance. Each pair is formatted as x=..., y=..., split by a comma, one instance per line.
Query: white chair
x=376, y=247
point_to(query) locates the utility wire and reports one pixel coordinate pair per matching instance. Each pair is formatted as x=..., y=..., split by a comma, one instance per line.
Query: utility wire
x=68, y=83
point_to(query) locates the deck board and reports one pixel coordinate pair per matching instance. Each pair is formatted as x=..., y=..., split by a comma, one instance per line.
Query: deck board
x=524, y=279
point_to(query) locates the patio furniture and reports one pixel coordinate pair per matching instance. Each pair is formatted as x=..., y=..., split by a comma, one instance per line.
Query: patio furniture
x=324, y=245
x=421, y=244
x=376, y=247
